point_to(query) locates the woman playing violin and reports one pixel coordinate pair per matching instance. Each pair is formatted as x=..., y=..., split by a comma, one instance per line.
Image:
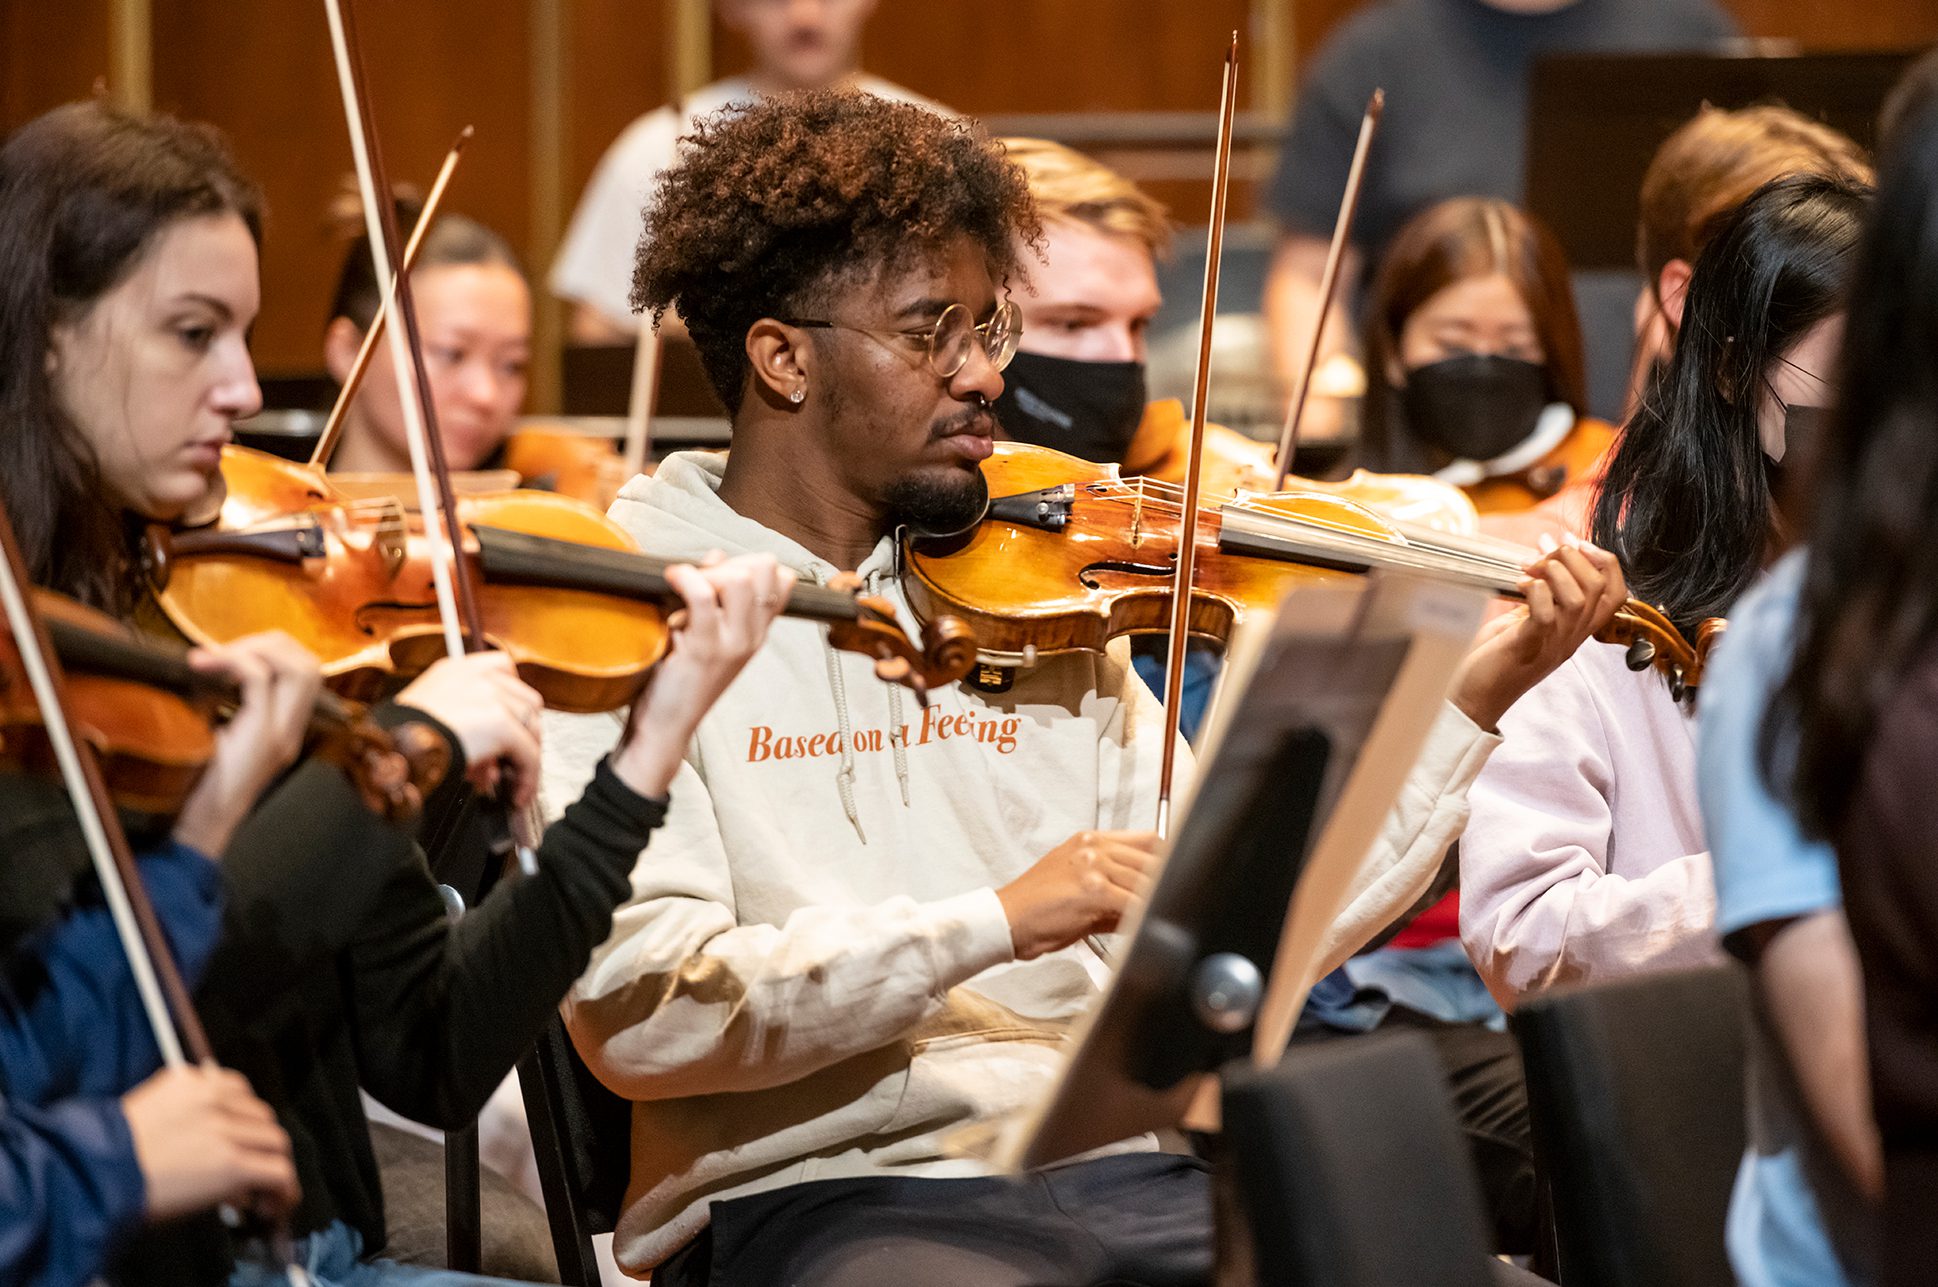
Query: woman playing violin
x=1585, y=857
x=129, y=283
x=1475, y=369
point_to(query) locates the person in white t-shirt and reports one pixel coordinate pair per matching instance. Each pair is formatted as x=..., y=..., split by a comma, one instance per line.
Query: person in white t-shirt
x=796, y=44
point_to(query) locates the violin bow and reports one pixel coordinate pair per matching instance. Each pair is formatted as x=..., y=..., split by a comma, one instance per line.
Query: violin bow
x=645, y=393
x=457, y=600
x=1179, y=634
x=164, y=995
x=333, y=427
x=1329, y=282
x=452, y=577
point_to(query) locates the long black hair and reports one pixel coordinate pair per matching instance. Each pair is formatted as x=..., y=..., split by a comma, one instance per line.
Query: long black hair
x=1686, y=502
x=1869, y=608
x=84, y=191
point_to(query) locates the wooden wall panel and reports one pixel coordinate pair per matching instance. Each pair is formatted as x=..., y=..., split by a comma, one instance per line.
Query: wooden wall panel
x=262, y=72
x=269, y=82
x=49, y=54
x=1044, y=55
x=617, y=58
x=1872, y=24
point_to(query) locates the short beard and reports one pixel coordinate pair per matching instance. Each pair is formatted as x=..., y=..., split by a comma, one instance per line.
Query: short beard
x=931, y=504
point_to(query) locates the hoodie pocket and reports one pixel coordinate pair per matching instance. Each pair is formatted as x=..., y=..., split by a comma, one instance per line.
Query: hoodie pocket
x=975, y=1060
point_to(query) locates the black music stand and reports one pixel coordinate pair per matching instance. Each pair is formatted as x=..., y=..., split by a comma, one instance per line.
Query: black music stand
x=1324, y=712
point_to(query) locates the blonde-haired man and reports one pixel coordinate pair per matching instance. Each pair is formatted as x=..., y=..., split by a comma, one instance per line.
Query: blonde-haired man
x=1077, y=383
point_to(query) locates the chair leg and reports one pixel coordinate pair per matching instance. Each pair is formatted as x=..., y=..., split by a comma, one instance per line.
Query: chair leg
x=571, y=1246
x=463, y=1202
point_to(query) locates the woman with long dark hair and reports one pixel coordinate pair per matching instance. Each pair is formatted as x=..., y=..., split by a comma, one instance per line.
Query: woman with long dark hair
x=128, y=283
x=1860, y=705
x=1585, y=856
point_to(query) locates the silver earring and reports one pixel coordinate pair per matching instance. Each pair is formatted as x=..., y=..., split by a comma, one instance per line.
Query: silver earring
x=798, y=396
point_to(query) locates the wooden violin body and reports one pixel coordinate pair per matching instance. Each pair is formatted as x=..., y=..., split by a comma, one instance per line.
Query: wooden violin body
x=152, y=744
x=1028, y=590
x=562, y=588
x=586, y=467
x=1071, y=555
x=352, y=581
x=1234, y=463
x=150, y=717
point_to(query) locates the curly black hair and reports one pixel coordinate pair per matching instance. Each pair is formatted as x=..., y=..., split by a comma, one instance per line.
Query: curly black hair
x=771, y=207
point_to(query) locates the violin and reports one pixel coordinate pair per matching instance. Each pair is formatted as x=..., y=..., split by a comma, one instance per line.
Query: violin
x=149, y=716
x=586, y=467
x=36, y=694
x=1233, y=462
x=561, y=587
x=1070, y=555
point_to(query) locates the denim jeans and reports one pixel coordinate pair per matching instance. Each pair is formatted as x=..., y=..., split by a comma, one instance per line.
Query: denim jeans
x=333, y=1256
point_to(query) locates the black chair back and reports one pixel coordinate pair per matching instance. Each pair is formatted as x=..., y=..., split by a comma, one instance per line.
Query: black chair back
x=582, y=1139
x=1349, y=1170
x=1635, y=1095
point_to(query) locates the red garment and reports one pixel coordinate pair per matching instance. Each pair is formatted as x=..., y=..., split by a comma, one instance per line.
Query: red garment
x=1436, y=924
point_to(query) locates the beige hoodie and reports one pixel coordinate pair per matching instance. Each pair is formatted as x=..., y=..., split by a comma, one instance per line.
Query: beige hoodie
x=813, y=976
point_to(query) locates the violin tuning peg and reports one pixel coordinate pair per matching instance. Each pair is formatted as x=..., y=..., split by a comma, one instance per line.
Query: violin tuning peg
x=1678, y=689
x=1641, y=654
x=893, y=669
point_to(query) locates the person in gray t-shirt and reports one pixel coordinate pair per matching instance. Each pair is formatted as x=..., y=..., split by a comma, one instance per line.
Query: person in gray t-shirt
x=1456, y=75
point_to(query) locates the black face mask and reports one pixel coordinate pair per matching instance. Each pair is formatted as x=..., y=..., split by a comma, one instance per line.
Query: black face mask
x=1803, y=429
x=1088, y=409
x=1475, y=407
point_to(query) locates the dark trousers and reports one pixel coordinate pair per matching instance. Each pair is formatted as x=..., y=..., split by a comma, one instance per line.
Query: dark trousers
x=1139, y=1219
x=1490, y=1101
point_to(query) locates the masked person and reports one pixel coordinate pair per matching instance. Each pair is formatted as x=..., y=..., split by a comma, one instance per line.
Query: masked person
x=1476, y=371
x=1077, y=384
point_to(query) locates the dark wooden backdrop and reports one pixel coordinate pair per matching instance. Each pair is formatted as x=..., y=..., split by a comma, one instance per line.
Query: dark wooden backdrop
x=262, y=72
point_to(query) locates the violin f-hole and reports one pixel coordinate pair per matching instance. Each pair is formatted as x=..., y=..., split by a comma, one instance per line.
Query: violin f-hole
x=1087, y=577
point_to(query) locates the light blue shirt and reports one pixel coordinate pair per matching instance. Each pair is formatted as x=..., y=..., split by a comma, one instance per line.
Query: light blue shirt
x=1767, y=870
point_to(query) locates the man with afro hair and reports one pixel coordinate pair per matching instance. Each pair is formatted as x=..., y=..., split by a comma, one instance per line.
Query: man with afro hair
x=866, y=928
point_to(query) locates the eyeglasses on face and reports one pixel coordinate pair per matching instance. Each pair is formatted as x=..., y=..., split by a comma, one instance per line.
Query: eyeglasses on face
x=950, y=338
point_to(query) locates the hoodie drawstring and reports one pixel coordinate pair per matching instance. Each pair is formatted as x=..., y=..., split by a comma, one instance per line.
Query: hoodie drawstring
x=845, y=775
x=896, y=739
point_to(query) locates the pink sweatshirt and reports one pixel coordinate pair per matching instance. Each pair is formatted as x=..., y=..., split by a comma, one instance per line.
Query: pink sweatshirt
x=1584, y=856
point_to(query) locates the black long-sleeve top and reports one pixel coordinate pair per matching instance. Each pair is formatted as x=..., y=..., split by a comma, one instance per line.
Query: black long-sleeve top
x=1887, y=856
x=338, y=968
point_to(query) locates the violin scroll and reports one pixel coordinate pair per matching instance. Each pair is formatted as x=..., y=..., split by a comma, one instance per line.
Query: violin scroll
x=1653, y=640
x=948, y=645
x=393, y=770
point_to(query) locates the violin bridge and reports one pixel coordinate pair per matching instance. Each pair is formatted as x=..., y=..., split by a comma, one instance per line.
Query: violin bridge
x=391, y=534
x=1137, y=517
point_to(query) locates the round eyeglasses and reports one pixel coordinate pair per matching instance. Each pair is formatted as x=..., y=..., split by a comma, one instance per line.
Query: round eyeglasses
x=950, y=338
